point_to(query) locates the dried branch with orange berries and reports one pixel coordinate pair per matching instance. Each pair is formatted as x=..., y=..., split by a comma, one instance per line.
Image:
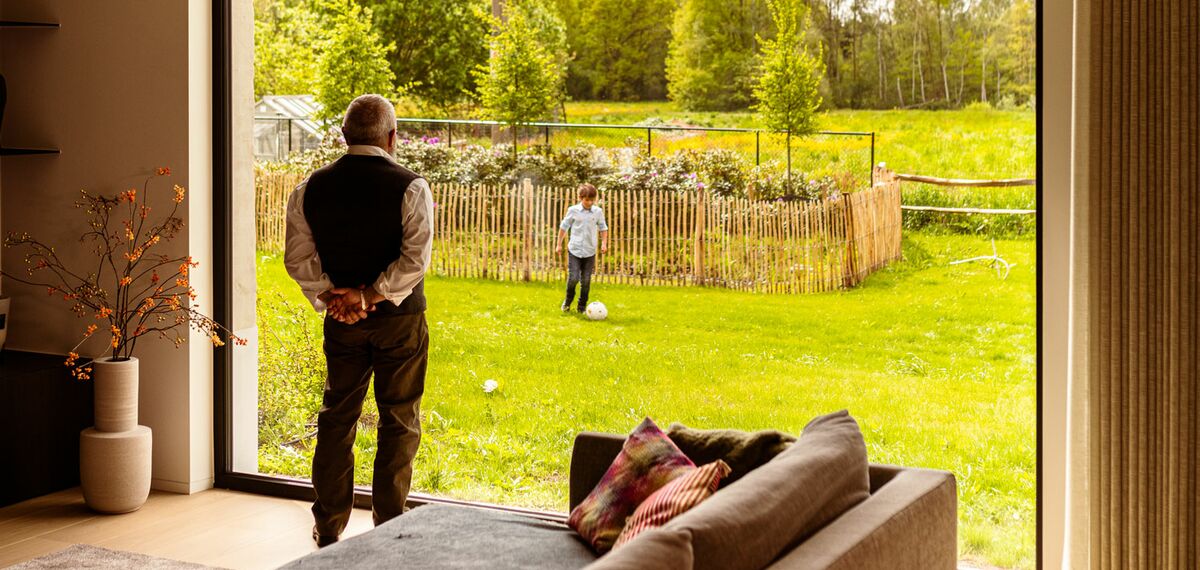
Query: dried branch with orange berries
x=150, y=294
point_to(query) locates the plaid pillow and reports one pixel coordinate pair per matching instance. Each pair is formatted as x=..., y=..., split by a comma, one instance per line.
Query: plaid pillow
x=674, y=499
x=648, y=461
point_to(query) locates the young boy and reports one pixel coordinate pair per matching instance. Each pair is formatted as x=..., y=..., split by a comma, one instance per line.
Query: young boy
x=584, y=221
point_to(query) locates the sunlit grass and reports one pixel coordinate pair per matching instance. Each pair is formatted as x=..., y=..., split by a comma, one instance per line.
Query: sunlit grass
x=935, y=361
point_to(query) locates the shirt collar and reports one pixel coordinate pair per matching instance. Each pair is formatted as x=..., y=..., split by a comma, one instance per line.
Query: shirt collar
x=369, y=150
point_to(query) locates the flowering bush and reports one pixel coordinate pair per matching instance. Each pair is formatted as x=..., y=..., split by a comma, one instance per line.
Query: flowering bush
x=575, y=165
x=426, y=156
x=150, y=294
x=726, y=172
x=674, y=172
x=720, y=171
x=769, y=181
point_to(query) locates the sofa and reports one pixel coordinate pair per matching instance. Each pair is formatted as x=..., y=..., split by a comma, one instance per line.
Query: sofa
x=784, y=514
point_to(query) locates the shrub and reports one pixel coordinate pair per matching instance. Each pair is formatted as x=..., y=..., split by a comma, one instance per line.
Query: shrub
x=672, y=173
x=291, y=373
x=723, y=172
x=426, y=156
x=573, y=166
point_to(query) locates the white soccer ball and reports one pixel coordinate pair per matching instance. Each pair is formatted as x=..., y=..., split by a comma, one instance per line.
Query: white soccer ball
x=596, y=311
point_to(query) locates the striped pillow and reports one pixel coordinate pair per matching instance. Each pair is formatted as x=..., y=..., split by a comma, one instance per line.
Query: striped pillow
x=674, y=499
x=648, y=461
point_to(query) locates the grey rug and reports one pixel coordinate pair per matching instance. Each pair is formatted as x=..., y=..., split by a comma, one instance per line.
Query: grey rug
x=87, y=556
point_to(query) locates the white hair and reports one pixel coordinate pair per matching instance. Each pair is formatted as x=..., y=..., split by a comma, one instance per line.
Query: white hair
x=369, y=119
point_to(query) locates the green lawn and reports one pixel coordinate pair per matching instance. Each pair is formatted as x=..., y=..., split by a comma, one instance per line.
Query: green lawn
x=935, y=361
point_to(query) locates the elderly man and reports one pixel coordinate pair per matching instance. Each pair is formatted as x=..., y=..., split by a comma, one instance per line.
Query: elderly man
x=359, y=233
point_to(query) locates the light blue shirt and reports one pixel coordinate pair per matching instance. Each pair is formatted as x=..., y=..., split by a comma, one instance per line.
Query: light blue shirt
x=584, y=227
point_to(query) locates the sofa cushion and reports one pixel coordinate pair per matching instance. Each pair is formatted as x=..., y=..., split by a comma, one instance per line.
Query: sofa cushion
x=742, y=451
x=648, y=461
x=751, y=522
x=656, y=548
x=674, y=499
x=441, y=536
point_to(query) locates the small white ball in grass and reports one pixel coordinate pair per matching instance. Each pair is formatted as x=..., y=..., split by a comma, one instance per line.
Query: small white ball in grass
x=596, y=311
x=490, y=386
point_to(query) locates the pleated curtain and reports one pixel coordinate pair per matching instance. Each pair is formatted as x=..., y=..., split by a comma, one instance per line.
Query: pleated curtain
x=1140, y=423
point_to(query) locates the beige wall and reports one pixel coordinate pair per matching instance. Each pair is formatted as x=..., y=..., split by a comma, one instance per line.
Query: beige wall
x=121, y=88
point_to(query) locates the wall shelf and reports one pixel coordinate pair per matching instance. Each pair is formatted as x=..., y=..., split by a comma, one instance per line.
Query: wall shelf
x=26, y=151
x=20, y=24
x=17, y=24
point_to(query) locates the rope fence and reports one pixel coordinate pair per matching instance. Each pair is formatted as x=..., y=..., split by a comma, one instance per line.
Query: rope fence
x=656, y=237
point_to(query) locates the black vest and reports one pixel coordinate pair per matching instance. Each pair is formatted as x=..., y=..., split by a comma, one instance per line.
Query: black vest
x=355, y=207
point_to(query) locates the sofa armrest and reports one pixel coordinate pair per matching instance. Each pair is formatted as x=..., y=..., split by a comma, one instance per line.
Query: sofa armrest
x=590, y=457
x=910, y=521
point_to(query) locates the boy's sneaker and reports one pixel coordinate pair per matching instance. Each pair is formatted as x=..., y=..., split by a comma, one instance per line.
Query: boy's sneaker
x=581, y=309
x=566, y=307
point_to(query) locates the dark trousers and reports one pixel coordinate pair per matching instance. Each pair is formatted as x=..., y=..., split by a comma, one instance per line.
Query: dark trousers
x=579, y=272
x=395, y=348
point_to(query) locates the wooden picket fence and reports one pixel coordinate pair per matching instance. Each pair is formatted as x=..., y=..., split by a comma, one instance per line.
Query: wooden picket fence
x=656, y=238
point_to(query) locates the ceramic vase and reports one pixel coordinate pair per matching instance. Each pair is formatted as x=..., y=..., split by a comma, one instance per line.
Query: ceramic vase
x=114, y=454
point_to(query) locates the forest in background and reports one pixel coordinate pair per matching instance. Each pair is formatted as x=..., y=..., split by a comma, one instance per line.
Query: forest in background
x=701, y=54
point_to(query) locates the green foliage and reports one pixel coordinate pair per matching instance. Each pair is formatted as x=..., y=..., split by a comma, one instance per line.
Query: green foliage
x=787, y=87
x=285, y=58
x=712, y=53
x=291, y=371
x=353, y=59
x=438, y=44
x=719, y=171
x=931, y=54
x=522, y=81
x=549, y=31
x=621, y=50
x=786, y=90
x=918, y=353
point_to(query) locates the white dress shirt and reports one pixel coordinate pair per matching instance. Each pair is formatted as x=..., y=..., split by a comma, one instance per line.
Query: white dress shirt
x=396, y=282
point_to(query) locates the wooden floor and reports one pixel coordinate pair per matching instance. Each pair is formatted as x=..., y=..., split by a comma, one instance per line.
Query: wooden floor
x=215, y=527
x=218, y=528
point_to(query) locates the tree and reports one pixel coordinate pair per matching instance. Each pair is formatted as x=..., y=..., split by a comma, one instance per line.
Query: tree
x=710, y=65
x=285, y=61
x=353, y=59
x=787, y=87
x=549, y=32
x=441, y=43
x=521, y=82
x=1016, y=73
x=621, y=50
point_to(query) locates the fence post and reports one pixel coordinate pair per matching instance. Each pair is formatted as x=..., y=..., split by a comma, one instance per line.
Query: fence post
x=757, y=134
x=872, y=159
x=698, y=238
x=649, y=146
x=850, y=265
x=527, y=190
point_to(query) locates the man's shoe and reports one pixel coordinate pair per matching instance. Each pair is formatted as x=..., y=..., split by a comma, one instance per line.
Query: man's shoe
x=322, y=540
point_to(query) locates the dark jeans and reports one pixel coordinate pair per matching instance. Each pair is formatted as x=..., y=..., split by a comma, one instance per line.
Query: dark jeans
x=395, y=348
x=579, y=271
